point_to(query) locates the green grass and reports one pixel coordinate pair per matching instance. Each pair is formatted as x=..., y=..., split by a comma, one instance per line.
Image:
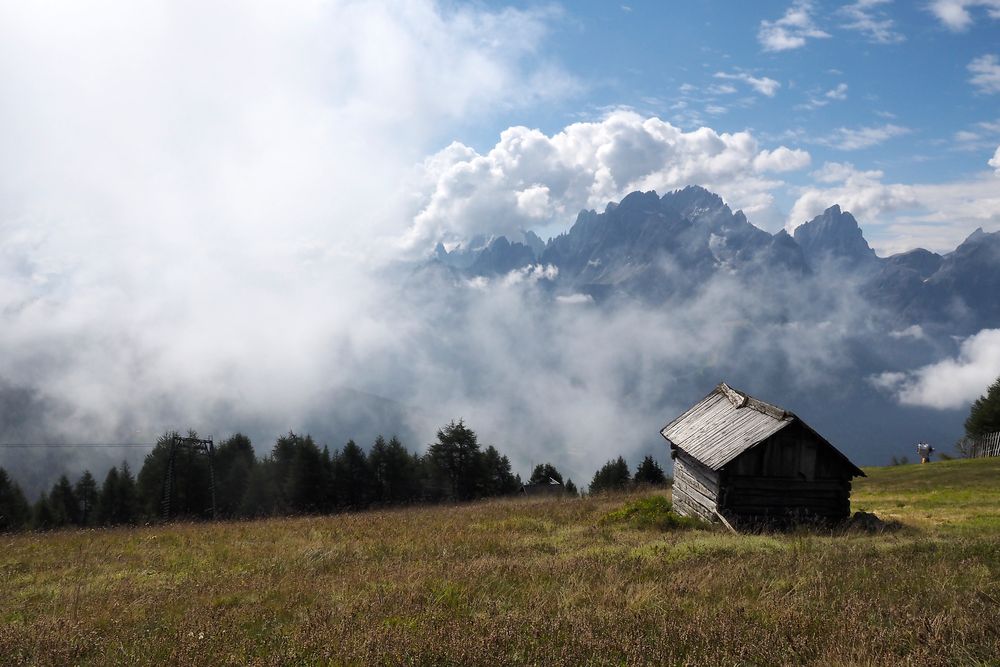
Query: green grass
x=942, y=498
x=650, y=513
x=530, y=581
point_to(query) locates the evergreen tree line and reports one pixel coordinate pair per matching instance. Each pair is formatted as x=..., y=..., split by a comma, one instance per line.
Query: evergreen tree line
x=296, y=477
x=614, y=476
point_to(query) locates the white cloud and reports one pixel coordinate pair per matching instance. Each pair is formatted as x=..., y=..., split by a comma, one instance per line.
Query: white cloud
x=985, y=73
x=173, y=176
x=585, y=166
x=955, y=16
x=792, y=30
x=781, y=159
x=865, y=17
x=897, y=216
x=575, y=299
x=721, y=89
x=850, y=139
x=534, y=201
x=860, y=192
x=529, y=274
x=995, y=161
x=763, y=85
x=914, y=331
x=838, y=93
x=952, y=383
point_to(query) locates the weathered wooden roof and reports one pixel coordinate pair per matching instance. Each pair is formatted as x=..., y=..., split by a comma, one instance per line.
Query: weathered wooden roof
x=727, y=423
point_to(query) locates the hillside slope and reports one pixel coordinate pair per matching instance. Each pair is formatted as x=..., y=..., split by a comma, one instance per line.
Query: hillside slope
x=521, y=582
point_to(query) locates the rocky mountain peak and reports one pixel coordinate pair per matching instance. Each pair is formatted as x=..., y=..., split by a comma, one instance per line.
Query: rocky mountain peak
x=834, y=234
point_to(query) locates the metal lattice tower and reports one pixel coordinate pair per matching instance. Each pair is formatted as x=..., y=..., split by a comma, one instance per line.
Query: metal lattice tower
x=194, y=446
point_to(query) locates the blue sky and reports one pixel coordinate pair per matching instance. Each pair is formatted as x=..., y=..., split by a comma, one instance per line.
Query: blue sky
x=911, y=90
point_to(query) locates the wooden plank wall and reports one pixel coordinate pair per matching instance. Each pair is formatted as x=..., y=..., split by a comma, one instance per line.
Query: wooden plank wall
x=775, y=497
x=696, y=488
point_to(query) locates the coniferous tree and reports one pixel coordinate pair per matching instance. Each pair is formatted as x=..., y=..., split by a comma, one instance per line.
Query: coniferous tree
x=984, y=416
x=128, y=498
x=86, y=493
x=42, y=516
x=395, y=475
x=15, y=513
x=234, y=459
x=261, y=497
x=499, y=479
x=649, y=473
x=455, y=462
x=329, y=484
x=571, y=488
x=353, y=477
x=65, y=506
x=545, y=473
x=108, y=502
x=378, y=462
x=304, y=486
x=613, y=475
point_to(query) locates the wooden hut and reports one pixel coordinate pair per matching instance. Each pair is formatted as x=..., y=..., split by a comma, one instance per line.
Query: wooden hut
x=743, y=461
x=550, y=488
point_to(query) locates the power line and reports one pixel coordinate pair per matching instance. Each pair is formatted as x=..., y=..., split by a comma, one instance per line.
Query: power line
x=74, y=444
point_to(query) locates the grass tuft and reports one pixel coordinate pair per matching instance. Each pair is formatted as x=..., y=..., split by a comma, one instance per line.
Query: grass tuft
x=651, y=513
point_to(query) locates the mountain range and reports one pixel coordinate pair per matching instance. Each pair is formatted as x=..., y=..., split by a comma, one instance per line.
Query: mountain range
x=654, y=248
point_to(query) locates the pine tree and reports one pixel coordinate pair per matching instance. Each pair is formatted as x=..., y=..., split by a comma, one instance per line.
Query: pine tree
x=15, y=513
x=650, y=473
x=395, y=474
x=544, y=473
x=107, y=501
x=499, y=479
x=378, y=461
x=984, y=416
x=86, y=493
x=330, y=497
x=261, y=497
x=456, y=462
x=614, y=475
x=571, y=488
x=234, y=459
x=127, y=510
x=305, y=485
x=353, y=477
x=42, y=517
x=64, y=504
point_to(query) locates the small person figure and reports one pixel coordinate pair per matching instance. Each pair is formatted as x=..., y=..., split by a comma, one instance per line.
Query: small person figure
x=924, y=450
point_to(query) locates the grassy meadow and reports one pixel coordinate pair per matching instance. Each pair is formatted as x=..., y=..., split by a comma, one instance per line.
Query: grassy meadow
x=525, y=581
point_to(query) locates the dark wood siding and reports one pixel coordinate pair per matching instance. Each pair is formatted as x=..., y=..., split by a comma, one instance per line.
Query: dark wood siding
x=791, y=474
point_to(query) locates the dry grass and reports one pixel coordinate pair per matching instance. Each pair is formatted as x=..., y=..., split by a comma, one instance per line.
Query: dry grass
x=521, y=582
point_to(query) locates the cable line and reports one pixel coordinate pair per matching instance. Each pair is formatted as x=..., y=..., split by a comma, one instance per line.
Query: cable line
x=74, y=444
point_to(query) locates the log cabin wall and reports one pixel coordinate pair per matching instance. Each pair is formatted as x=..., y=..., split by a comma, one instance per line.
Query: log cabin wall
x=696, y=488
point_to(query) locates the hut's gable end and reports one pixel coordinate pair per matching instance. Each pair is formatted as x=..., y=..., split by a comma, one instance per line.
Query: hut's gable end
x=696, y=488
x=792, y=472
x=795, y=452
